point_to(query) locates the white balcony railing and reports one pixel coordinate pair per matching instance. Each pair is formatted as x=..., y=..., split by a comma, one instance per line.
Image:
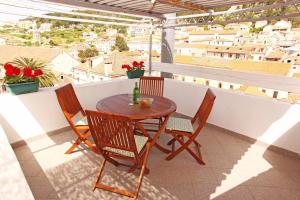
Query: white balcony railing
x=274, y=82
x=29, y=115
x=266, y=120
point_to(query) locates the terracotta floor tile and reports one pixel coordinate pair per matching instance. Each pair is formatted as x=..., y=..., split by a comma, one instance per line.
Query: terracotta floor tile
x=235, y=169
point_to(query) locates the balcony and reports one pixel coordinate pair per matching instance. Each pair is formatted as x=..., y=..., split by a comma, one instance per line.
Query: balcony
x=250, y=146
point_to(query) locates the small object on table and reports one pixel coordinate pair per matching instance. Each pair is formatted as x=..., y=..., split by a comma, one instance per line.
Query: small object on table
x=146, y=102
x=136, y=94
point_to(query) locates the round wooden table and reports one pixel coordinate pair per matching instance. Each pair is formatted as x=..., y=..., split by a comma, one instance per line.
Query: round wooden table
x=120, y=105
x=160, y=108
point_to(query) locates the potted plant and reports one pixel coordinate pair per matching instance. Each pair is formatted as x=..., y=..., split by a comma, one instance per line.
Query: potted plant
x=21, y=80
x=24, y=75
x=136, y=70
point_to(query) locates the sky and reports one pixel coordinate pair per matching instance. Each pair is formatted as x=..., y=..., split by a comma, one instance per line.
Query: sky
x=17, y=7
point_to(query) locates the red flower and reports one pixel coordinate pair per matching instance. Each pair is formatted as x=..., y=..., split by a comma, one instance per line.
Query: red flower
x=135, y=64
x=16, y=71
x=141, y=63
x=27, y=72
x=127, y=67
x=9, y=72
x=8, y=66
x=38, y=72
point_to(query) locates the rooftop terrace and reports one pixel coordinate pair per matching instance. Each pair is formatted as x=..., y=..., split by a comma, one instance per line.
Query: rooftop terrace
x=250, y=147
x=235, y=168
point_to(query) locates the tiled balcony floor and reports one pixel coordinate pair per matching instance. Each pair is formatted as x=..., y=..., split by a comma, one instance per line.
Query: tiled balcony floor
x=235, y=169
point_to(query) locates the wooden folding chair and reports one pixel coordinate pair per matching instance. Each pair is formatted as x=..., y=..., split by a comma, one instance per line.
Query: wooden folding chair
x=114, y=138
x=75, y=115
x=152, y=86
x=184, y=128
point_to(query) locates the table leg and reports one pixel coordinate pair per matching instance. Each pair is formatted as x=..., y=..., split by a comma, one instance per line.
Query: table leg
x=153, y=141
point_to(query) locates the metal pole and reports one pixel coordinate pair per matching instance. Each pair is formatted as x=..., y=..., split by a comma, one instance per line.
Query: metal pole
x=150, y=47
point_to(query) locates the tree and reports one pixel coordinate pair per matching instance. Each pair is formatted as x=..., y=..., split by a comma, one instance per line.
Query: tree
x=120, y=44
x=87, y=53
x=253, y=29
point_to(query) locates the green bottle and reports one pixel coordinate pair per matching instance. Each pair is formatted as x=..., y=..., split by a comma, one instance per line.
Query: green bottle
x=136, y=94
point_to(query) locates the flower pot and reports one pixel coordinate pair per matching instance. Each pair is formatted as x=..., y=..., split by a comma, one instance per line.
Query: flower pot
x=135, y=73
x=22, y=88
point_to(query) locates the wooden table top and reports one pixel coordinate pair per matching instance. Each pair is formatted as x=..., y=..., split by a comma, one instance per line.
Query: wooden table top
x=119, y=104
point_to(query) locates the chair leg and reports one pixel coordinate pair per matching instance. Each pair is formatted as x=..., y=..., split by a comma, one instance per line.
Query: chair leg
x=89, y=144
x=76, y=143
x=109, y=188
x=185, y=146
x=100, y=173
x=143, y=170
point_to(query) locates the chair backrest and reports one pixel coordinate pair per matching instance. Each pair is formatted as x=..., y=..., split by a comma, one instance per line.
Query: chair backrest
x=204, y=110
x=152, y=85
x=68, y=102
x=112, y=131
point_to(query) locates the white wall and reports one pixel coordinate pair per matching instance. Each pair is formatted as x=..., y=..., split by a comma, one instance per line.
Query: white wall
x=12, y=179
x=265, y=119
x=29, y=115
x=64, y=63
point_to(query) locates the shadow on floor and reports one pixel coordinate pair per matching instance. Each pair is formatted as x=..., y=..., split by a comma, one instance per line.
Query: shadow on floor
x=235, y=169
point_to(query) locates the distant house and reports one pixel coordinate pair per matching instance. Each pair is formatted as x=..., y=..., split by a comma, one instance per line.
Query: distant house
x=36, y=36
x=2, y=41
x=261, y=24
x=108, y=69
x=258, y=52
x=215, y=35
x=216, y=27
x=104, y=45
x=45, y=27
x=111, y=32
x=137, y=31
x=281, y=26
x=89, y=35
x=142, y=44
x=57, y=59
x=243, y=27
x=228, y=52
x=191, y=49
x=275, y=55
x=214, y=42
x=26, y=24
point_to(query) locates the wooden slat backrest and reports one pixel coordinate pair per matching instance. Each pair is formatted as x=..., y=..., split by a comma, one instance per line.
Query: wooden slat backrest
x=112, y=131
x=68, y=101
x=204, y=110
x=152, y=85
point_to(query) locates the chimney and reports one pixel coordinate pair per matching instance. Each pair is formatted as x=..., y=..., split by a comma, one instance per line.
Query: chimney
x=107, y=68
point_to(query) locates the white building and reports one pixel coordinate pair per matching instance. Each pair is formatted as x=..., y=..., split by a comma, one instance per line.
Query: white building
x=280, y=26
x=2, y=41
x=261, y=24
x=36, y=36
x=216, y=27
x=45, y=27
x=142, y=44
x=137, y=31
x=228, y=52
x=27, y=24
x=215, y=35
x=111, y=32
x=104, y=45
x=89, y=35
x=242, y=27
x=191, y=49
